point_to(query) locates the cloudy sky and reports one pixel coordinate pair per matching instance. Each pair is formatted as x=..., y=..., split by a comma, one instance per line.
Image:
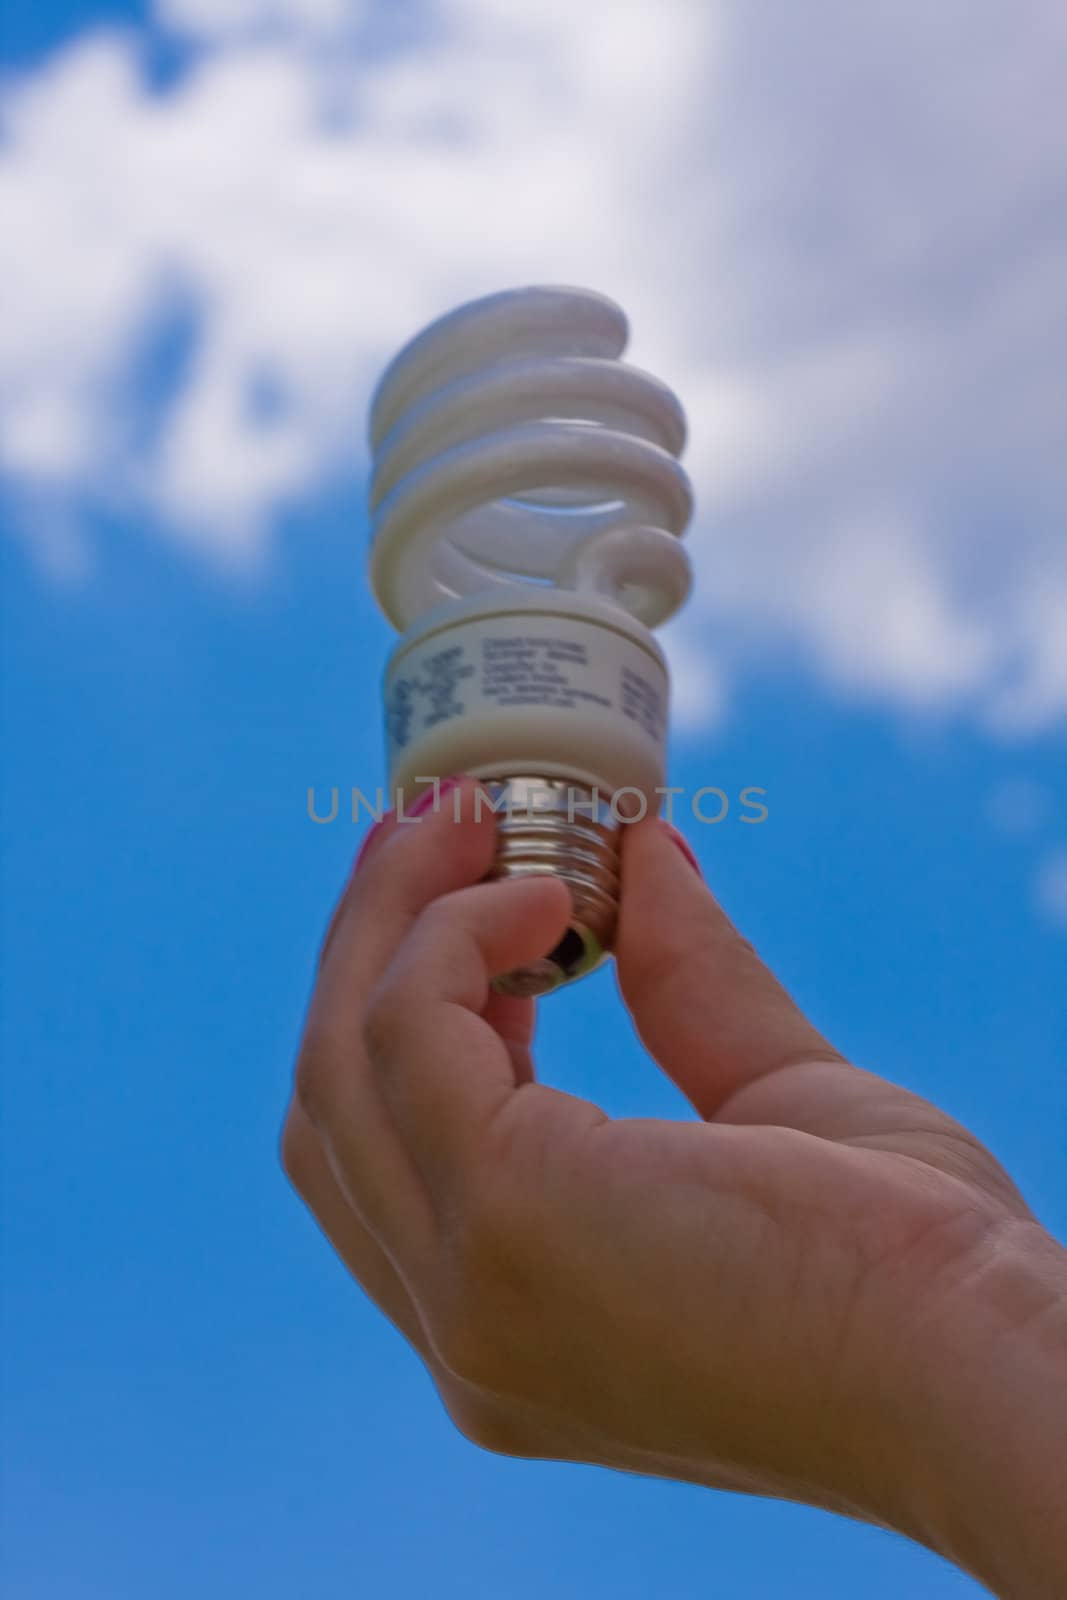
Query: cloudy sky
x=854, y=273
x=840, y=234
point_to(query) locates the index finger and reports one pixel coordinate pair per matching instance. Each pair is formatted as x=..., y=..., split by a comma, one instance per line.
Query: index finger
x=443, y=1071
x=334, y=1085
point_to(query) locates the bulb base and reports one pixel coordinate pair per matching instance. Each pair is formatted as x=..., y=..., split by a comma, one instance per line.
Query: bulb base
x=549, y=826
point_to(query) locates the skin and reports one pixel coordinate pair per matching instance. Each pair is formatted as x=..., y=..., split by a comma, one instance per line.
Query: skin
x=824, y=1289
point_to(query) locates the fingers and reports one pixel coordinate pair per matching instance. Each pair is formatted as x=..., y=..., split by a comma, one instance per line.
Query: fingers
x=443, y=1071
x=714, y=1017
x=402, y=866
x=512, y=1019
x=406, y=867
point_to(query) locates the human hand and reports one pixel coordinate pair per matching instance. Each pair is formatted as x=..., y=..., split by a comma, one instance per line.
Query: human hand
x=797, y=1295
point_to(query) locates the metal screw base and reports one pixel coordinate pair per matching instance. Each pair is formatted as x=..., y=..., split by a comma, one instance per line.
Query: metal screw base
x=550, y=825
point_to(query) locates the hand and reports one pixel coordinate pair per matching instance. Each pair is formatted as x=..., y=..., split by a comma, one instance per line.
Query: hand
x=778, y=1298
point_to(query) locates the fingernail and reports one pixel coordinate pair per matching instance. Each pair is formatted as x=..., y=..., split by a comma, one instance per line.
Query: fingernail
x=432, y=797
x=684, y=846
x=372, y=833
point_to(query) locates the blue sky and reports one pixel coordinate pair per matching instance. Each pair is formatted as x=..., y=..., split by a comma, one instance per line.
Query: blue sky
x=227, y=217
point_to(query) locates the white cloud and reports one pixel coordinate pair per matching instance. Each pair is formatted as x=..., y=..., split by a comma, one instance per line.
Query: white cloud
x=1050, y=888
x=698, y=694
x=839, y=232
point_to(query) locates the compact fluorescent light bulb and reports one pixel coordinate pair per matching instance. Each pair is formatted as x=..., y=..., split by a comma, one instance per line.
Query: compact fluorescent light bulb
x=527, y=503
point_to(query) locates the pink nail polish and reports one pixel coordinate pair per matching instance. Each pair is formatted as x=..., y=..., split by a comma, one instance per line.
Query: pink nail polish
x=684, y=846
x=372, y=833
x=435, y=793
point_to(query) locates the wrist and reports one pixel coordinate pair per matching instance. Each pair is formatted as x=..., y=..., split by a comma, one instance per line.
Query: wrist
x=982, y=1427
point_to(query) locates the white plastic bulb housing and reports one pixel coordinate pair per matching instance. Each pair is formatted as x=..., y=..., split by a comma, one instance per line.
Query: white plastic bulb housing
x=527, y=505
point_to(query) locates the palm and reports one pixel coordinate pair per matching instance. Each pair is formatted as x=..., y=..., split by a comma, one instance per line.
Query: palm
x=810, y=1170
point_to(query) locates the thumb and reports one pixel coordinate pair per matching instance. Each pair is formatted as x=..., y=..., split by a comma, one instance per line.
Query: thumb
x=704, y=1004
